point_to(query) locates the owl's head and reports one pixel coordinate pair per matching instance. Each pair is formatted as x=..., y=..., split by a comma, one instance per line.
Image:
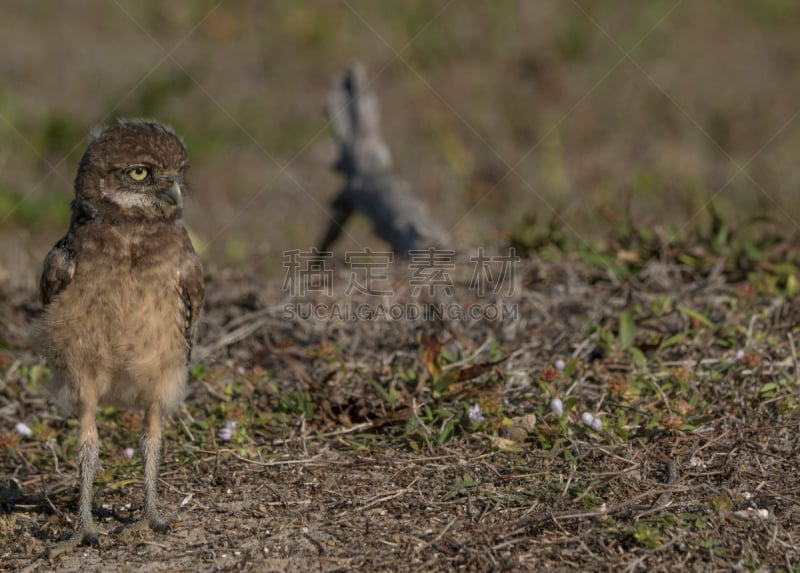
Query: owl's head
x=134, y=169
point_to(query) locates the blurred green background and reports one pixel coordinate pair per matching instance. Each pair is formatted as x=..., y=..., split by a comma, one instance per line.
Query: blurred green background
x=500, y=114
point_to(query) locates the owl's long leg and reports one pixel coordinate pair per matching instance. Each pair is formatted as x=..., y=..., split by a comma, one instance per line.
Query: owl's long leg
x=151, y=453
x=150, y=444
x=88, y=444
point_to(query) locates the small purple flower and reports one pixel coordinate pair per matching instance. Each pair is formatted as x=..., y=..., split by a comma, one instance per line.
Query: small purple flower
x=128, y=453
x=560, y=365
x=557, y=406
x=597, y=424
x=474, y=414
x=739, y=354
x=587, y=418
x=23, y=430
x=226, y=432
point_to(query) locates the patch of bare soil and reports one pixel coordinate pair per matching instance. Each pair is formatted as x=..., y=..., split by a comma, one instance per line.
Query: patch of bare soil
x=398, y=445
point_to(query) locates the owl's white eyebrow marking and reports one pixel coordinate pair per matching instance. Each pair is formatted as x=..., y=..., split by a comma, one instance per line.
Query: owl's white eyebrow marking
x=127, y=166
x=143, y=158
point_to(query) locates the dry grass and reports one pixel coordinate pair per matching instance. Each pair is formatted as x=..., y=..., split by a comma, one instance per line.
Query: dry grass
x=353, y=449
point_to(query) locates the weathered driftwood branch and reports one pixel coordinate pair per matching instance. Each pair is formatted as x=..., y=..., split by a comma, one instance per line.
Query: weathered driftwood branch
x=371, y=186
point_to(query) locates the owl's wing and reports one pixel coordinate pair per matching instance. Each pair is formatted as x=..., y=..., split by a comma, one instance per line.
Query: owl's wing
x=60, y=262
x=191, y=291
x=59, y=268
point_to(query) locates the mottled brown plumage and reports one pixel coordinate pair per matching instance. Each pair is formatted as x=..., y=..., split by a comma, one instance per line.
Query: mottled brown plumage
x=122, y=292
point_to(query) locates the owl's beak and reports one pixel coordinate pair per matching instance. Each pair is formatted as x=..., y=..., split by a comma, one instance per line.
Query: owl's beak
x=172, y=194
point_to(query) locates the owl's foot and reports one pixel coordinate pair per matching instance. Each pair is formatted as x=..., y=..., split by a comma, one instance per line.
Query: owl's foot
x=85, y=537
x=154, y=522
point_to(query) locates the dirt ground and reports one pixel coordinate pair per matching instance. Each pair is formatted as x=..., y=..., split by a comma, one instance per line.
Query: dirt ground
x=354, y=449
x=639, y=410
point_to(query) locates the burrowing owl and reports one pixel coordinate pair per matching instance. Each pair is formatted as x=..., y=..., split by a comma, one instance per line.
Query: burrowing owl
x=122, y=292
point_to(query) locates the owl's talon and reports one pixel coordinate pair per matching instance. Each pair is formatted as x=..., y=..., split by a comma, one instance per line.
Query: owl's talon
x=79, y=538
x=160, y=525
x=156, y=523
x=91, y=540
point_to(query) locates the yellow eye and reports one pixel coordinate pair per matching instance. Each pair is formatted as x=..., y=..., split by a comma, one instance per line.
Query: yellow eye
x=139, y=173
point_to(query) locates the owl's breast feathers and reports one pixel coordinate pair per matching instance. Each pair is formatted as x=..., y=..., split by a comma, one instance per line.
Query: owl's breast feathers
x=112, y=262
